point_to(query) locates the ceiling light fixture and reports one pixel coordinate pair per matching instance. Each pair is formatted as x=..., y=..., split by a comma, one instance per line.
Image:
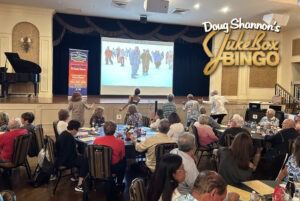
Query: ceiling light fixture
x=225, y=9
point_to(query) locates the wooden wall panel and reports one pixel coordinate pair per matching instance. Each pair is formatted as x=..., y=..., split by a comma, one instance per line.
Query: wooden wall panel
x=263, y=77
x=296, y=47
x=229, y=82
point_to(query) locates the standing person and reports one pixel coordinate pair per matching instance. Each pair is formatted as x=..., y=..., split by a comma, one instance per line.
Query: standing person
x=192, y=109
x=146, y=59
x=170, y=172
x=157, y=58
x=97, y=118
x=67, y=153
x=133, y=99
x=122, y=56
x=77, y=107
x=218, y=110
x=134, y=58
x=108, y=56
x=169, y=107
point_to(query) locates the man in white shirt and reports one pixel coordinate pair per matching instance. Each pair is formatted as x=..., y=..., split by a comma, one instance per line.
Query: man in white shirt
x=186, y=147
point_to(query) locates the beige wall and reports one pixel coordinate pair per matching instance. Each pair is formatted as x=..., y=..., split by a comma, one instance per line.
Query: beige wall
x=11, y=15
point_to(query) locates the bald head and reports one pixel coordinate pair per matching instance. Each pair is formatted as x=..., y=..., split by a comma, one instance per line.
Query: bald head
x=288, y=123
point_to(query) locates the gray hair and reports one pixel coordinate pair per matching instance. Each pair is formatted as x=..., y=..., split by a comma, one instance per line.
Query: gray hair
x=271, y=111
x=190, y=96
x=164, y=126
x=238, y=120
x=203, y=119
x=4, y=118
x=186, y=142
x=14, y=123
x=170, y=97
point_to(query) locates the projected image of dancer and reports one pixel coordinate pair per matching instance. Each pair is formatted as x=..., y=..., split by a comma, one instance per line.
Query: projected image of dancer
x=121, y=57
x=134, y=58
x=108, y=56
x=169, y=59
x=157, y=58
x=146, y=59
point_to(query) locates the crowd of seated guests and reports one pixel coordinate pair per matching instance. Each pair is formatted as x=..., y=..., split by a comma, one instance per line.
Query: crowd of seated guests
x=206, y=134
x=176, y=127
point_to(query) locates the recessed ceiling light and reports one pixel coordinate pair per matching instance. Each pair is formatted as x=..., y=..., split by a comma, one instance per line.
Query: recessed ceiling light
x=197, y=6
x=225, y=9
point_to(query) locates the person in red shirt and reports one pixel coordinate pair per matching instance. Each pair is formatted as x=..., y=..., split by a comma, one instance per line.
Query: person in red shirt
x=118, y=150
x=7, y=140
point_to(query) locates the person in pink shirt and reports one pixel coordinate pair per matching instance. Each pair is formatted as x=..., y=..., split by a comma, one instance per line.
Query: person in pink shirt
x=7, y=140
x=118, y=150
x=205, y=132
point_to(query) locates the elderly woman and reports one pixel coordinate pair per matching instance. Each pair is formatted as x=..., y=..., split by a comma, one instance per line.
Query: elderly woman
x=134, y=117
x=192, y=109
x=3, y=121
x=62, y=124
x=235, y=127
x=206, y=134
x=186, y=149
x=270, y=119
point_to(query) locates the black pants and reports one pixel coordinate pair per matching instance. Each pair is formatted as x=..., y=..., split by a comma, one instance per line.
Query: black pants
x=219, y=117
x=119, y=169
x=81, y=163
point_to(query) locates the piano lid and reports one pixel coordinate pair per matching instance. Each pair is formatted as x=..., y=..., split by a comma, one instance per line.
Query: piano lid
x=21, y=65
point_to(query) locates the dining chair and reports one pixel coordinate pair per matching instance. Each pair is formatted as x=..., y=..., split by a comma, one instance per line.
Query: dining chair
x=137, y=190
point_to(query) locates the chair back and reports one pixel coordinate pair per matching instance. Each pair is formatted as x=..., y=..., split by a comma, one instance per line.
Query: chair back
x=8, y=195
x=228, y=139
x=162, y=149
x=50, y=146
x=99, y=159
x=39, y=136
x=55, y=129
x=146, y=121
x=137, y=190
x=290, y=148
x=195, y=132
x=21, y=147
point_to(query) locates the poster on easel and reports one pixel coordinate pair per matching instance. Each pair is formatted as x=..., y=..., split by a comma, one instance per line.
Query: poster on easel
x=78, y=71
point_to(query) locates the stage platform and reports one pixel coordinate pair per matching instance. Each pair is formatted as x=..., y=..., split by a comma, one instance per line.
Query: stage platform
x=46, y=109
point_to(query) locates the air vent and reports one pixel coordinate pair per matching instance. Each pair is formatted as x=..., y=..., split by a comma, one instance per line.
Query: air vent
x=180, y=11
x=119, y=3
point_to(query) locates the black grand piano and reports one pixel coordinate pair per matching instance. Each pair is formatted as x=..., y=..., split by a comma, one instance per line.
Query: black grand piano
x=25, y=71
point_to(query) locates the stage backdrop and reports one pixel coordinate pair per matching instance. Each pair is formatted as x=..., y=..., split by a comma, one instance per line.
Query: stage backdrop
x=81, y=32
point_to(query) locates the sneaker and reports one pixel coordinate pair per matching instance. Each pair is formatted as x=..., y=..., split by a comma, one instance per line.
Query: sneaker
x=79, y=188
x=52, y=177
x=74, y=179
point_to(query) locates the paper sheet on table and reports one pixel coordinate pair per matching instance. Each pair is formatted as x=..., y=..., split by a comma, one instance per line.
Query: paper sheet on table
x=82, y=133
x=87, y=139
x=244, y=195
x=223, y=126
x=260, y=187
x=86, y=128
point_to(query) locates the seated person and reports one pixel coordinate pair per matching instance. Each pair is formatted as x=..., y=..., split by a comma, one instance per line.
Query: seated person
x=169, y=107
x=205, y=132
x=67, y=153
x=150, y=143
x=292, y=166
x=134, y=117
x=235, y=127
x=211, y=122
x=7, y=140
x=3, y=121
x=270, y=119
x=186, y=149
x=176, y=127
x=170, y=172
x=210, y=186
x=97, y=118
x=238, y=161
x=280, y=140
x=62, y=124
x=155, y=122
x=27, y=118
x=118, y=149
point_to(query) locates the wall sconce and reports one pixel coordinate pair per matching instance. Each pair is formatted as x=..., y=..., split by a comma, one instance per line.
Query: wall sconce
x=25, y=43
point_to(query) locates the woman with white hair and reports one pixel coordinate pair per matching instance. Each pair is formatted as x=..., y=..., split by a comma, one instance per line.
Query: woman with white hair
x=235, y=126
x=218, y=110
x=270, y=119
x=206, y=134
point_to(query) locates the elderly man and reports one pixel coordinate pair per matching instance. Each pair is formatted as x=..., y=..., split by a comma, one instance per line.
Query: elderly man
x=150, y=143
x=280, y=141
x=7, y=140
x=169, y=107
x=218, y=110
x=270, y=119
x=235, y=127
x=186, y=148
x=209, y=186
